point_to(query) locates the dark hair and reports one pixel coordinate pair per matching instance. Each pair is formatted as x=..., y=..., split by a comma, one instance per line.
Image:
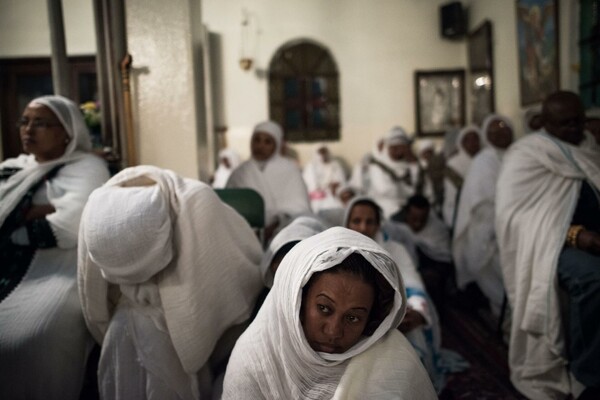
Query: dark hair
x=369, y=203
x=283, y=250
x=383, y=298
x=418, y=201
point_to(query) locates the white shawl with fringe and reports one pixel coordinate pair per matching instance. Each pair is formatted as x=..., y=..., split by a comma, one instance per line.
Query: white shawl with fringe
x=538, y=190
x=273, y=360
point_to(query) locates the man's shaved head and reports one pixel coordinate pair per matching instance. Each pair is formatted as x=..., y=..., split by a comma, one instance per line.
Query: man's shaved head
x=563, y=116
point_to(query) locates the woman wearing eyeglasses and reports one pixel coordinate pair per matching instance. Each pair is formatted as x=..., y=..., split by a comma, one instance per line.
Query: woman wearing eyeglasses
x=43, y=339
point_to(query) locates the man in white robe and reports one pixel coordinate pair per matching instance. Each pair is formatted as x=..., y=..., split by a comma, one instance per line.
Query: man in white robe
x=548, y=229
x=392, y=180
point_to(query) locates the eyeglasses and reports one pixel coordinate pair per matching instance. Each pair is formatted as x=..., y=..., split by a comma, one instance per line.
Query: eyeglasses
x=36, y=124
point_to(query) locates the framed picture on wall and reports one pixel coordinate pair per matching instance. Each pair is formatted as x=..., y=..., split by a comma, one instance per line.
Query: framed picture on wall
x=480, y=81
x=537, y=40
x=440, y=101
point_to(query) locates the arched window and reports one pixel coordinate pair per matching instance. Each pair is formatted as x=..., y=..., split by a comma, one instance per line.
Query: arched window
x=304, y=92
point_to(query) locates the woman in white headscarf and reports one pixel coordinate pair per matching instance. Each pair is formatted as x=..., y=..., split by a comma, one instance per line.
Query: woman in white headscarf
x=165, y=270
x=468, y=144
x=301, y=345
x=474, y=246
x=228, y=161
x=277, y=179
x=420, y=324
x=44, y=343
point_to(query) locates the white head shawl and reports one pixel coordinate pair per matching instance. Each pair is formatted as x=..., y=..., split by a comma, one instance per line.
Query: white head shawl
x=424, y=144
x=215, y=252
x=300, y=228
x=397, y=135
x=129, y=234
x=70, y=117
x=405, y=259
x=222, y=173
x=461, y=161
x=528, y=116
x=273, y=359
x=274, y=130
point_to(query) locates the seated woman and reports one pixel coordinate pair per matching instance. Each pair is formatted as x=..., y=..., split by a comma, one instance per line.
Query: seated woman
x=44, y=343
x=420, y=325
x=328, y=328
x=277, y=179
x=167, y=273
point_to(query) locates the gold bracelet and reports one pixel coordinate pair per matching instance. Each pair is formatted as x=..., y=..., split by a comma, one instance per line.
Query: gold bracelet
x=572, y=234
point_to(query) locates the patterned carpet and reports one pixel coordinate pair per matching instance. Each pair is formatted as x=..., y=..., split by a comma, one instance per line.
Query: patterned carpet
x=472, y=332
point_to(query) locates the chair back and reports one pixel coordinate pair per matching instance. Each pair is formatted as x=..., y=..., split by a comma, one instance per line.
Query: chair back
x=247, y=202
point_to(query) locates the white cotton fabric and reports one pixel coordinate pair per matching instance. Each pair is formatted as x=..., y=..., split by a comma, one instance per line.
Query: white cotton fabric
x=433, y=240
x=222, y=173
x=273, y=360
x=278, y=180
x=397, y=135
x=43, y=339
x=215, y=252
x=359, y=177
x=389, y=194
x=459, y=163
x=131, y=233
x=300, y=228
x=538, y=190
x=318, y=176
x=474, y=246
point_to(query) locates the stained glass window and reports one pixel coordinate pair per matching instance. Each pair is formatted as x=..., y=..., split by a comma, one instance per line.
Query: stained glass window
x=304, y=92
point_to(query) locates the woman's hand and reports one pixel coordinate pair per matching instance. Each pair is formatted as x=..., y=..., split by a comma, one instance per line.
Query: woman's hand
x=589, y=241
x=412, y=319
x=39, y=211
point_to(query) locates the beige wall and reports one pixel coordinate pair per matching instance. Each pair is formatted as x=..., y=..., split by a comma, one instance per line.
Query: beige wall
x=24, y=28
x=377, y=45
x=166, y=83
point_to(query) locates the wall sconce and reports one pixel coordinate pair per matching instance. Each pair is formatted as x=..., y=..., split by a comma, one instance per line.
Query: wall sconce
x=246, y=42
